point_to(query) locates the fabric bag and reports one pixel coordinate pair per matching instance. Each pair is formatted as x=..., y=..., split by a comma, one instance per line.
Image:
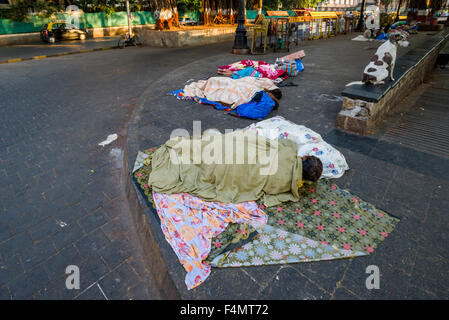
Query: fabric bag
x=289, y=66
x=299, y=65
x=258, y=108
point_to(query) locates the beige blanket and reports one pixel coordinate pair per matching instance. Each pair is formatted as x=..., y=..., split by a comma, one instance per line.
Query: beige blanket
x=227, y=90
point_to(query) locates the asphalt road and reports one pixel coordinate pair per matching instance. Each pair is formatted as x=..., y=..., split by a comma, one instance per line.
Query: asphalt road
x=40, y=49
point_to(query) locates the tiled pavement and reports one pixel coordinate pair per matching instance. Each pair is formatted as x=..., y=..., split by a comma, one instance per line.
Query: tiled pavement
x=61, y=198
x=61, y=201
x=410, y=184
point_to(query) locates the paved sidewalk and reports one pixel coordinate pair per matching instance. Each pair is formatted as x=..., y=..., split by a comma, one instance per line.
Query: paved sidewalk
x=413, y=261
x=62, y=200
x=41, y=50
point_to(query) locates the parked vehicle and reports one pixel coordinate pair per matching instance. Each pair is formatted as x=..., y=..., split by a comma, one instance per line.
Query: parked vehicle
x=126, y=40
x=185, y=21
x=60, y=30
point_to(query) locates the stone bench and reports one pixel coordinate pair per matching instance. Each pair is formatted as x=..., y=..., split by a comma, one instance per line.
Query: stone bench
x=364, y=106
x=190, y=36
x=443, y=56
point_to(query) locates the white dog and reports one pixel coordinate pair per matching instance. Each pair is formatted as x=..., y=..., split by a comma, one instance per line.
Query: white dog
x=377, y=70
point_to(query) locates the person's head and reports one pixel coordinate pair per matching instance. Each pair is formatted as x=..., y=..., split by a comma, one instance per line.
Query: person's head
x=312, y=168
x=275, y=94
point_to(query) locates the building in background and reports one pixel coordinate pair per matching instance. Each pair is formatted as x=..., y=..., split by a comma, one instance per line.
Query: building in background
x=337, y=5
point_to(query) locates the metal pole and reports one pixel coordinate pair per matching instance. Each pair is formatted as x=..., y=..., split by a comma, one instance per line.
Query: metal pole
x=397, y=13
x=130, y=31
x=362, y=11
x=241, y=41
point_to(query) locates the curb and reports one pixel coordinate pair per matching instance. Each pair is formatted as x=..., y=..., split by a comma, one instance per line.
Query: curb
x=57, y=54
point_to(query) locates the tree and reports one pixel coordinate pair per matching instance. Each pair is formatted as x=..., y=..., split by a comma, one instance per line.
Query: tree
x=20, y=10
x=290, y=4
x=165, y=12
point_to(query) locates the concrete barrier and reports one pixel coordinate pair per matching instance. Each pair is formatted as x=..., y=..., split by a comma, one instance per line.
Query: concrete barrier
x=364, y=106
x=189, y=37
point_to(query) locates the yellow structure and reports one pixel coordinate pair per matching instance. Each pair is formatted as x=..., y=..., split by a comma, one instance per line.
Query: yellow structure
x=260, y=29
x=320, y=24
x=324, y=24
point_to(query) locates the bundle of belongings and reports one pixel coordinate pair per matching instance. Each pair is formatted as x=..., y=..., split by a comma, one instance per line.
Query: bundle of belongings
x=411, y=28
x=381, y=34
x=256, y=196
x=250, y=91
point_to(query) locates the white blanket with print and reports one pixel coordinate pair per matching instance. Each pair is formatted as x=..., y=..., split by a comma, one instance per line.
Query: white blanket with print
x=309, y=143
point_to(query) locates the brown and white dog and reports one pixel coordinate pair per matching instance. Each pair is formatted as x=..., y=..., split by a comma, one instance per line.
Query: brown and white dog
x=382, y=63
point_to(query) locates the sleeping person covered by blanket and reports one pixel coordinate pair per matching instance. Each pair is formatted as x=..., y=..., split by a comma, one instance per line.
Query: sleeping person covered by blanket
x=233, y=92
x=233, y=167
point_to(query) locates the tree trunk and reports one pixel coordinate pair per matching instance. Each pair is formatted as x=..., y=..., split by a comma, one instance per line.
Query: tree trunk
x=166, y=13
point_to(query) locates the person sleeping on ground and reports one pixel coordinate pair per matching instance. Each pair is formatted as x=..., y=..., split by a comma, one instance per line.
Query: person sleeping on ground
x=232, y=92
x=232, y=167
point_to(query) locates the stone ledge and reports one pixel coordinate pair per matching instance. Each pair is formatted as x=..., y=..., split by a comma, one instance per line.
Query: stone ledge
x=149, y=238
x=364, y=106
x=189, y=37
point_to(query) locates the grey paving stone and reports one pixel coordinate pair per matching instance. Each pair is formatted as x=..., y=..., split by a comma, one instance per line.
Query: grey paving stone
x=324, y=274
x=15, y=244
x=431, y=276
x=93, y=269
x=367, y=187
x=4, y=294
x=58, y=263
x=46, y=228
x=262, y=275
x=10, y=269
x=344, y=294
x=29, y=283
x=67, y=235
x=142, y=291
x=418, y=293
x=398, y=196
x=92, y=243
x=113, y=207
x=93, y=220
x=71, y=214
x=93, y=293
x=119, y=282
x=116, y=252
x=288, y=284
x=115, y=229
x=393, y=282
x=37, y=253
x=57, y=290
x=25, y=222
x=5, y=231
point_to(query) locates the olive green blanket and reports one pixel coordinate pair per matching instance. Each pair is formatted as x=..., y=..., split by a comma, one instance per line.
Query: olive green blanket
x=232, y=167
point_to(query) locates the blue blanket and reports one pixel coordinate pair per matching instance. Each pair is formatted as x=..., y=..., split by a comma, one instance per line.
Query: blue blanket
x=259, y=107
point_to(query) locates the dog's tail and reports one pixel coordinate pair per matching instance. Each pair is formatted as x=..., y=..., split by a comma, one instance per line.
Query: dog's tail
x=354, y=82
